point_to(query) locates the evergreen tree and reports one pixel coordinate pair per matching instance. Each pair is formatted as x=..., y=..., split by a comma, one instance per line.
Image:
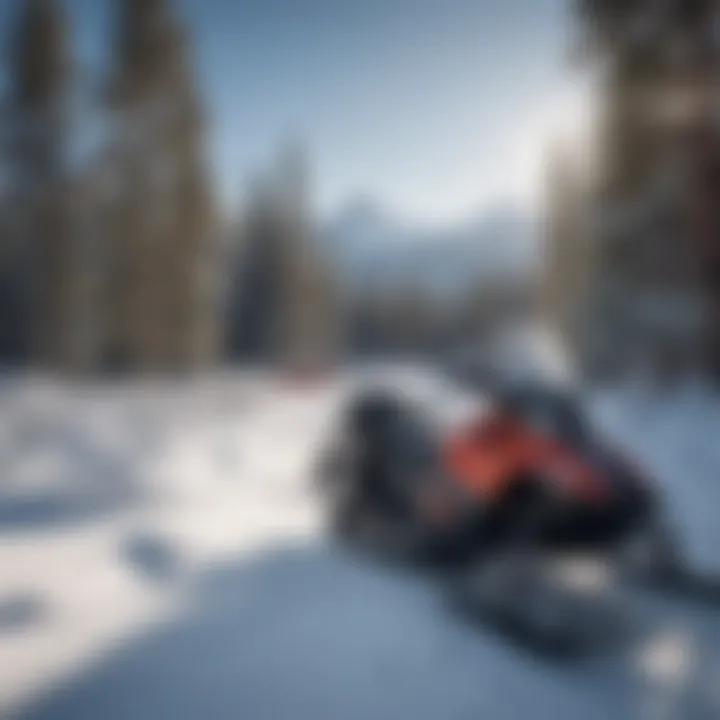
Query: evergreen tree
x=652, y=303
x=285, y=303
x=39, y=258
x=163, y=305
x=256, y=300
x=310, y=314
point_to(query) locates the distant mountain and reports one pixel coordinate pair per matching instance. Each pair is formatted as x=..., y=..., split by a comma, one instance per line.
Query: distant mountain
x=370, y=245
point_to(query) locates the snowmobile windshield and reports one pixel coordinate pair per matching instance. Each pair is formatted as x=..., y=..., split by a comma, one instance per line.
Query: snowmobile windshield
x=553, y=414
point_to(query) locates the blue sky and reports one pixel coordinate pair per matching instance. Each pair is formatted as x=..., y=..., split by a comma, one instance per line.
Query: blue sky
x=435, y=107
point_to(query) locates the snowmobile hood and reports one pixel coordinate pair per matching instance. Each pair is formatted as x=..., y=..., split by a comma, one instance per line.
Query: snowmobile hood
x=618, y=473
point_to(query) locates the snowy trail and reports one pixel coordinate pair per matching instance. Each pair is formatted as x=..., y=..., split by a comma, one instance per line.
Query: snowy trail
x=677, y=438
x=209, y=591
x=82, y=566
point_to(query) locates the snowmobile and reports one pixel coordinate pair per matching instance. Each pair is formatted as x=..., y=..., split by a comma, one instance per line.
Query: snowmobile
x=495, y=487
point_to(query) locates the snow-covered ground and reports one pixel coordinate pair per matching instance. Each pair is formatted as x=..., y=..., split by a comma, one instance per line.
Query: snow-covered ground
x=161, y=557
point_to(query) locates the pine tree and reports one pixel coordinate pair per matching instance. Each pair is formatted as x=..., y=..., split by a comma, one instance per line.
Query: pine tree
x=36, y=119
x=257, y=292
x=309, y=313
x=163, y=305
x=567, y=252
x=285, y=300
x=653, y=304
x=193, y=298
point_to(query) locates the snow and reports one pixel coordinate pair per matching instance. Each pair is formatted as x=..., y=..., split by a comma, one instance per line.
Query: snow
x=675, y=435
x=162, y=556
